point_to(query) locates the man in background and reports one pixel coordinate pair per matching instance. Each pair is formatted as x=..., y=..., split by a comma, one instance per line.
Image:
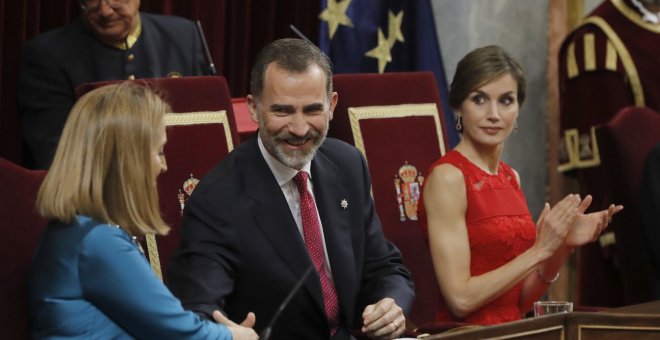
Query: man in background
x=110, y=40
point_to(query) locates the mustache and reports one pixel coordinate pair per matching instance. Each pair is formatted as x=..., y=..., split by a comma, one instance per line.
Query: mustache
x=293, y=139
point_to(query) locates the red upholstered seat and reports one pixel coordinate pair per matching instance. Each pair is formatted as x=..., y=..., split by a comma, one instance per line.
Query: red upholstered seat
x=395, y=120
x=21, y=228
x=246, y=126
x=200, y=133
x=623, y=144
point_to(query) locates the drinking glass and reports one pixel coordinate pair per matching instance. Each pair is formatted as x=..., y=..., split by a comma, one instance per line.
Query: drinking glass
x=552, y=307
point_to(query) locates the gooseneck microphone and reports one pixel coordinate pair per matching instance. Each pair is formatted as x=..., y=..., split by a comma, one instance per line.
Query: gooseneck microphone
x=300, y=34
x=206, y=49
x=265, y=334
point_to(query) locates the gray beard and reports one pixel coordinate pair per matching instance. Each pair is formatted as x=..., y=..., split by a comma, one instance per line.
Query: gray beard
x=293, y=159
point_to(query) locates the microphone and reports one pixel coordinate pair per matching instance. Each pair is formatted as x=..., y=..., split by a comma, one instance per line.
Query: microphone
x=299, y=34
x=206, y=49
x=303, y=37
x=265, y=334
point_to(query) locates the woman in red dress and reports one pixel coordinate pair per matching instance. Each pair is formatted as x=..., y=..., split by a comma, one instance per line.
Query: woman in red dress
x=491, y=260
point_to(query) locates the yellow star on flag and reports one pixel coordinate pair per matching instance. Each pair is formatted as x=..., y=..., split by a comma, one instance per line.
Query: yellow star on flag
x=381, y=52
x=394, y=27
x=335, y=15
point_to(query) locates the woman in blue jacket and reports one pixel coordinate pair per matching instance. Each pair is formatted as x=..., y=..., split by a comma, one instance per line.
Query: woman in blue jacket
x=89, y=278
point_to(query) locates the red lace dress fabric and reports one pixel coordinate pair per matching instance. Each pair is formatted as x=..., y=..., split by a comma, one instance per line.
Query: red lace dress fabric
x=500, y=228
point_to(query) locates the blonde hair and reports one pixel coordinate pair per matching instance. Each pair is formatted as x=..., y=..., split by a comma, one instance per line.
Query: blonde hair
x=103, y=166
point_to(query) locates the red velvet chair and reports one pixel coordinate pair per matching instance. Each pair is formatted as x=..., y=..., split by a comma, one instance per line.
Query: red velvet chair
x=394, y=119
x=200, y=133
x=617, y=270
x=620, y=258
x=21, y=229
x=246, y=126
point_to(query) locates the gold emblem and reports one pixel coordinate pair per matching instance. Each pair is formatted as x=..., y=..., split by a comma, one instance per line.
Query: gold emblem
x=174, y=74
x=408, y=183
x=188, y=187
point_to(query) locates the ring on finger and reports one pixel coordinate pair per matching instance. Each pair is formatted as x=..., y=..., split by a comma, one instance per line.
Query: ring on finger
x=396, y=325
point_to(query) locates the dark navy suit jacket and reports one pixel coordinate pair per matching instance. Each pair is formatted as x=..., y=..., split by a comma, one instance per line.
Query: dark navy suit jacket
x=242, y=251
x=54, y=63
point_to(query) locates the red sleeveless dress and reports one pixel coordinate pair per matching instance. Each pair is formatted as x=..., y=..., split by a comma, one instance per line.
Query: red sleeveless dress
x=499, y=227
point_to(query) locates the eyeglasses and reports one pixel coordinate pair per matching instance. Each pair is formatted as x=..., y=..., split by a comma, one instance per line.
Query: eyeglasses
x=93, y=5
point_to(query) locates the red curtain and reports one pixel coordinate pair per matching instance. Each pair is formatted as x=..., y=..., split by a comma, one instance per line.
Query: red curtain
x=235, y=31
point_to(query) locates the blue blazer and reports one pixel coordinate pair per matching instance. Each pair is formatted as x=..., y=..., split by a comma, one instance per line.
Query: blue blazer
x=241, y=249
x=54, y=63
x=89, y=280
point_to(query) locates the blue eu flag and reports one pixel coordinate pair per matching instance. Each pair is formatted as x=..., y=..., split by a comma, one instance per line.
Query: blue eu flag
x=367, y=36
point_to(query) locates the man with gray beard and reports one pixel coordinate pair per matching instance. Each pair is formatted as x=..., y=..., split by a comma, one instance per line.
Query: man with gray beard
x=289, y=201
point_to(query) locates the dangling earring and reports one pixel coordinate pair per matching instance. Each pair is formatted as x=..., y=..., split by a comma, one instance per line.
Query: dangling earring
x=459, y=123
x=515, y=125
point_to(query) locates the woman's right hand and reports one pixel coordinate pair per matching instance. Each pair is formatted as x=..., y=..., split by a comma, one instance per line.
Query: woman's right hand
x=238, y=332
x=554, y=223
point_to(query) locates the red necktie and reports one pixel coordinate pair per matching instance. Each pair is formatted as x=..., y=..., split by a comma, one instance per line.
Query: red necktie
x=312, y=233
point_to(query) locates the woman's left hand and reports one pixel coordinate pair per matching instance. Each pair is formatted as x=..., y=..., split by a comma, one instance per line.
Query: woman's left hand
x=587, y=227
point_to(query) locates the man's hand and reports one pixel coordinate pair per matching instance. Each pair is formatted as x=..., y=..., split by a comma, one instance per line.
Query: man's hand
x=383, y=320
x=238, y=332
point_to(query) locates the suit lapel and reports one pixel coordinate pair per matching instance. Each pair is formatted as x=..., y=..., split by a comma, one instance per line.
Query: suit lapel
x=329, y=192
x=274, y=219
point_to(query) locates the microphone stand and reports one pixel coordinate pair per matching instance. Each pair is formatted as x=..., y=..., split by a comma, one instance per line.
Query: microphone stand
x=265, y=334
x=206, y=49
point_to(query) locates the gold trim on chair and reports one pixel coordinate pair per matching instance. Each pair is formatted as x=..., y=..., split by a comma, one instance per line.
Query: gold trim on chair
x=202, y=117
x=178, y=119
x=356, y=114
x=154, y=258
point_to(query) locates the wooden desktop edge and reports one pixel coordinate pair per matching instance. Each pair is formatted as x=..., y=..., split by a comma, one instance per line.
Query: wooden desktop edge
x=643, y=318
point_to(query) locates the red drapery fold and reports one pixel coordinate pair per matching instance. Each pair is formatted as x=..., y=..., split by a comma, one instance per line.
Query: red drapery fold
x=235, y=31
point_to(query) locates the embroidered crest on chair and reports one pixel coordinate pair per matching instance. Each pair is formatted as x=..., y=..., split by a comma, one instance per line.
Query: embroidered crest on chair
x=188, y=187
x=408, y=183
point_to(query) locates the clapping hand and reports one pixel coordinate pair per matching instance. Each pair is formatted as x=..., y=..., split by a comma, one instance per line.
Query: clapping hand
x=587, y=227
x=554, y=224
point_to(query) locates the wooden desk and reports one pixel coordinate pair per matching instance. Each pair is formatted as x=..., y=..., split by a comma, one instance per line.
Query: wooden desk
x=638, y=322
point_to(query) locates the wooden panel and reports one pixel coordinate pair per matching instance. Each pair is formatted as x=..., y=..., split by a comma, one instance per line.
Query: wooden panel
x=620, y=323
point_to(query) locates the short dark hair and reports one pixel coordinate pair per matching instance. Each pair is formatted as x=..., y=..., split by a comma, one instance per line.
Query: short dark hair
x=294, y=55
x=482, y=66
